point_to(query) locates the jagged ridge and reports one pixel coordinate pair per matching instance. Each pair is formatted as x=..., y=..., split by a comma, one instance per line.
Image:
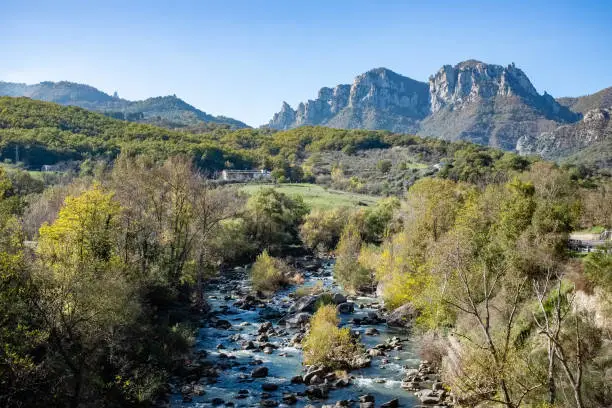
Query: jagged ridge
x=485, y=103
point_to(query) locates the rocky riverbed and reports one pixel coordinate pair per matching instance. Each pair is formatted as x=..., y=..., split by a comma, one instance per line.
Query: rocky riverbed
x=248, y=352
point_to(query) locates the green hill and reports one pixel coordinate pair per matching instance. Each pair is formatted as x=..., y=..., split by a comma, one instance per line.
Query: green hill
x=358, y=160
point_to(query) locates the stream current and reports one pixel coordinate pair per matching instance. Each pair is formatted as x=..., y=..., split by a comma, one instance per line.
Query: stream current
x=224, y=347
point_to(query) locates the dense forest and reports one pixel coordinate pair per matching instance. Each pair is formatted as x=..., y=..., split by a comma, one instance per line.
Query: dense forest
x=44, y=133
x=104, y=268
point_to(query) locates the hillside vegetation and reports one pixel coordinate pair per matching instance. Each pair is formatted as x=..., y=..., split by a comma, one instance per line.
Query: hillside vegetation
x=47, y=133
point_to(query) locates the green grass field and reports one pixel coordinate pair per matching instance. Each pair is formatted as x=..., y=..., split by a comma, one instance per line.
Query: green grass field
x=316, y=196
x=11, y=168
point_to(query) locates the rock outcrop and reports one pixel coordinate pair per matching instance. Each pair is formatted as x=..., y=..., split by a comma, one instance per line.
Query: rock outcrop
x=590, y=136
x=377, y=99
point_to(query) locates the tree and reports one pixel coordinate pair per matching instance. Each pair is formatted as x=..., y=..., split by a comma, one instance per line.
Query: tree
x=347, y=269
x=21, y=336
x=274, y=218
x=85, y=295
x=384, y=166
x=171, y=215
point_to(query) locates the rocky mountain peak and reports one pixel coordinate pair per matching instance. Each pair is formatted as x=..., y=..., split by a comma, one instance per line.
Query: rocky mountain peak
x=472, y=80
x=284, y=118
x=485, y=103
x=377, y=90
x=384, y=89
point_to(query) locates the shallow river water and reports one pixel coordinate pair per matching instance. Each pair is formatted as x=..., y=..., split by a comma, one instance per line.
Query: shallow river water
x=222, y=346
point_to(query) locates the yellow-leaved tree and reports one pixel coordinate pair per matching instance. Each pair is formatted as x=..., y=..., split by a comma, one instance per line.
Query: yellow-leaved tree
x=85, y=293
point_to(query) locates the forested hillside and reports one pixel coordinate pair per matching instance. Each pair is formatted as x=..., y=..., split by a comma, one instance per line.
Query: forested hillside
x=169, y=111
x=46, y=133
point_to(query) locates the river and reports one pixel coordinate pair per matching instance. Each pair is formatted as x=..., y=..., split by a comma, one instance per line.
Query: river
x=224, y=349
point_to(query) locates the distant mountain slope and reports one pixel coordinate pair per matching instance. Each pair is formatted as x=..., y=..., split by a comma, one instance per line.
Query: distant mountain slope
x=483, y=103
x=47, y=133
x=588, y=141
x=167, y=110
x=36, y=133
x=583, y=104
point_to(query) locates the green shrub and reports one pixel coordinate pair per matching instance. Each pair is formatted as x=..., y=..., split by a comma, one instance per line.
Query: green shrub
x=384, y=166
x=598, y=267
x=321, y=229
x=324, y=299
x=269, y=274
x=348, y=271
x=326, y=344
x=273, y=218
x=378, y=220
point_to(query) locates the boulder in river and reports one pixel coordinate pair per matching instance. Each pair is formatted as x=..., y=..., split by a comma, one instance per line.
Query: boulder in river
x=320, y=372
x=342, y=382
x=269, y=386
x=428, y=396
x=338, y=298
x=289, y=398
x=317, y=392
x=269, y=313
x=304, y=304
x=259, y=372
x=360, y=362
x=367, y=398
x=298, y=320
x=346, y=308
x=403, y=316
x=264, y=327
x=394, y=403
x=223, y=324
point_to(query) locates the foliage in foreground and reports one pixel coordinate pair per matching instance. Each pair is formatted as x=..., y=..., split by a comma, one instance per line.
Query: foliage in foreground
x=328, y=345
x=489, y=267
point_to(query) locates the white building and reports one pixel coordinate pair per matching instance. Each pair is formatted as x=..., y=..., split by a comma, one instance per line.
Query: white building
x=245, y=175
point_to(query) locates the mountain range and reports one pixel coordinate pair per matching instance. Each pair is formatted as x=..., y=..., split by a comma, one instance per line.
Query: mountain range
x=489, y=104
x=484, y=103
x=168, y=111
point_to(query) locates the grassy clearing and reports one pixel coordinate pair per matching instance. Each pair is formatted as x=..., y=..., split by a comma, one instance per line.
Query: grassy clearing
x=593, y=230
x=9, y=168
x=316, y=196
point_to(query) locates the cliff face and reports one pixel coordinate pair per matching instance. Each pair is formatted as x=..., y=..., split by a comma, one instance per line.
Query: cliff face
x=484, y=103
x=377, y=99
x=489, y=104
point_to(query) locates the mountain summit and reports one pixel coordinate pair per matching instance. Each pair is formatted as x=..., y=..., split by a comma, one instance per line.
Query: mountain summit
x=485, y=103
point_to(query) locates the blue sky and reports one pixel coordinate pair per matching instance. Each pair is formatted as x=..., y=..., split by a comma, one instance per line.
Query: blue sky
x=243, y=58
